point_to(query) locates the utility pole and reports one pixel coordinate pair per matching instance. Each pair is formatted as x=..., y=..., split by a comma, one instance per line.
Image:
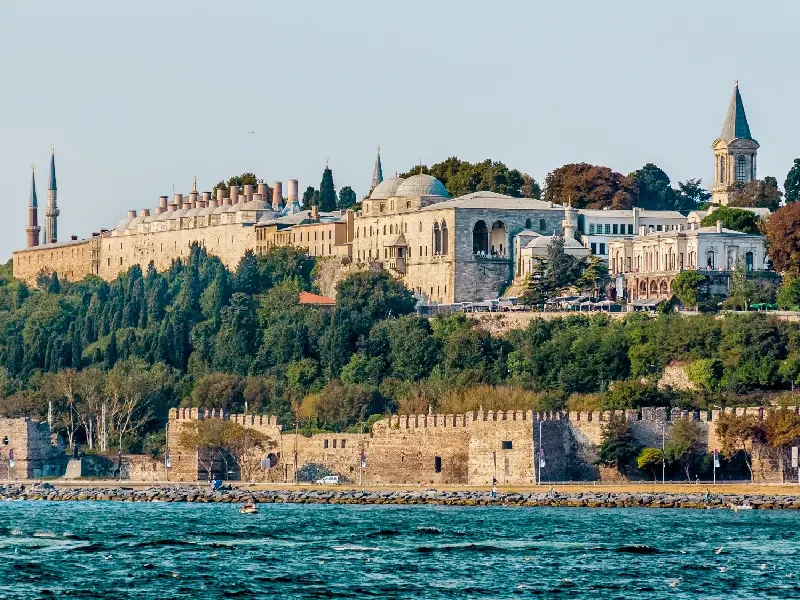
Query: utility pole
x=296, y=433
x=663, y=443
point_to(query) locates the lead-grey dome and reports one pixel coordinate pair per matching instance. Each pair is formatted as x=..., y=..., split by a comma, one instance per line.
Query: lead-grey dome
x=386, y=188
x=421, y=185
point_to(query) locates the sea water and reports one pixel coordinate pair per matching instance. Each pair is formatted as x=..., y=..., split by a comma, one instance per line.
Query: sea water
x=168, y=550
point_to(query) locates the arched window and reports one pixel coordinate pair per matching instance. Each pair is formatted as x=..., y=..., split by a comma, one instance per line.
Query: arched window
x=408, y=203
x=384, y=230
x=527, y=223
x=741, y=168
x=710, y=259
x=722, y=169
x=480, y=238
x=748, y=261
x=437, y=239
x=444, y=238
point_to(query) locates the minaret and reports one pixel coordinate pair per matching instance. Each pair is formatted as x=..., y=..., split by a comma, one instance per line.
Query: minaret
x=570, y=222
x=735, y=151
x=33, y=214
x=51, y=214
x=377, y=172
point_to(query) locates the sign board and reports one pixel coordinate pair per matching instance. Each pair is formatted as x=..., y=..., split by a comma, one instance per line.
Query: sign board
x=620, y=285
x=11, y=458
x=716, y=458
x=795, y=451
x=167, y=461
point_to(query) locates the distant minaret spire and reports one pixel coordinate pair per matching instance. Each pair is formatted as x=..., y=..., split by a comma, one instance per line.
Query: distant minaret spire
x=377, y=172
x=33, y=228
x=51, y=213
x=194, y=185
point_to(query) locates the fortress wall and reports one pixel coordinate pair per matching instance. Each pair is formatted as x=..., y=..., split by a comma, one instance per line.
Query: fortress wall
x=337, y=452
x=228, y=242
x=71, y=261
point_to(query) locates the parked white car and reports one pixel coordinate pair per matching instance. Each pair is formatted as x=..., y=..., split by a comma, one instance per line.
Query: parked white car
x=328, y=480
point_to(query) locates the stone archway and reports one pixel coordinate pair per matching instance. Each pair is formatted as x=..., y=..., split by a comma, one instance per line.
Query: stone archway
x=663, y=289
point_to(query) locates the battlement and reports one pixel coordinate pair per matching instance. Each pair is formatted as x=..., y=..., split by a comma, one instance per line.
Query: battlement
x=648, y=414
x=198, y=414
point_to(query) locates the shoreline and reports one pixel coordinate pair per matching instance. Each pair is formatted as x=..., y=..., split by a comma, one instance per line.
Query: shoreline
x=563, y=497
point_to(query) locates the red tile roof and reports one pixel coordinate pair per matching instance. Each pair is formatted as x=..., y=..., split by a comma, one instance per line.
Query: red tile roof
x=309, y=298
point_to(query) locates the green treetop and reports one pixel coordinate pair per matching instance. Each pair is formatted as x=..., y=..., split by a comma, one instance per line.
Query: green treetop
x=327, y=192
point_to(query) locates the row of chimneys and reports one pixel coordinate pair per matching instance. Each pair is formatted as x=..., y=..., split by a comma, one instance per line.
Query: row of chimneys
x=194, y=199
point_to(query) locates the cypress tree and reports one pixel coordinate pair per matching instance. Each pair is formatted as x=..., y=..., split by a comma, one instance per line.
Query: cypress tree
x=327, y=192
x=111, y=352
x=248, y=275
x=310, y=198
x=54, y=287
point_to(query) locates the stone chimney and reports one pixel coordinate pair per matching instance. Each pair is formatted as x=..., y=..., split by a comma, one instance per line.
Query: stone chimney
x=145, y=212
x=719, y=226
x=293, y=191
x=314, y=213
x=263, y=189
x=233, y=194
x=131, y=214
x=162, y=204
x=257, y=197
x=277, y=195
x=206, y=199
x=350, y=219
x=220, y=196
x=172, y=207
x=248, y=192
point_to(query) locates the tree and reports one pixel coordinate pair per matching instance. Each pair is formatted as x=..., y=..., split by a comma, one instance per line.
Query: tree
x=783, y=239
x=792, y=183
x=237, y=181
x=685, y=444
x=650, y=459
x=653, y=189
x=461, y=177
x=733, y=218
x=689, y=287
x=327, y=192
x=562, y=269
x=247, y=279
x=208, y=438
x=737, y=434
x=368, y=296
x=759, y=193
x=789, y=294
x=347, y=197
x=246, y=447
x=310, y=198
x=618, y=447
x=132, y=389
x=594, y=276
x=705, y=373
x=691, y=195
x=589, y=186
x=742, y=289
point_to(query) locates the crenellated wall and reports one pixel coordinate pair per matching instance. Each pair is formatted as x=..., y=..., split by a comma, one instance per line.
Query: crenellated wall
x=464, y=449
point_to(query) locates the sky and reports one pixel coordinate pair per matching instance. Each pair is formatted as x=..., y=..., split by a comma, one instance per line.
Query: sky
x=139, y=97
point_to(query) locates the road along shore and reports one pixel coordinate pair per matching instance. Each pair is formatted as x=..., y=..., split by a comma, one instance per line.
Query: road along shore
x=563, y=497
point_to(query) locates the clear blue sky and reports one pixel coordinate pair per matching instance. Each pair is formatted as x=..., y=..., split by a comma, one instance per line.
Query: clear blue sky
x=138, y=95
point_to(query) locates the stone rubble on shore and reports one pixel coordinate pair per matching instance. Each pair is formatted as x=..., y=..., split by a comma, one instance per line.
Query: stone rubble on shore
x=194, y=493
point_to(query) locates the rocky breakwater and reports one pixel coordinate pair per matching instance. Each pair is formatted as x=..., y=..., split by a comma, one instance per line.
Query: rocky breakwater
x=564, y=498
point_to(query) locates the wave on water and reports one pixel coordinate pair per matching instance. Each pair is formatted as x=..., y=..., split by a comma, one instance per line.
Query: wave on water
x=429, y=530
x=384, y=533
x=638, y=549
x=44, y=534
x=95, y=547
x=355, y=548
x=162, y=543
x=481, y=548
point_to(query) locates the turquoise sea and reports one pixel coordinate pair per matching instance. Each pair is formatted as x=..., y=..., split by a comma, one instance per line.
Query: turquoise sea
x=165, y=550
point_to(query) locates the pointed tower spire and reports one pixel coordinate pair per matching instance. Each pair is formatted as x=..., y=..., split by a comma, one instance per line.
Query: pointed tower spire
x=377, y=172
x=735, y=126
x=33, y=228
x=51, y=212
x=194, y=185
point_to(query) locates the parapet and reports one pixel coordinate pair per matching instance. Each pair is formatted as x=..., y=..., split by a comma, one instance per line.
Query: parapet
x=198, y=414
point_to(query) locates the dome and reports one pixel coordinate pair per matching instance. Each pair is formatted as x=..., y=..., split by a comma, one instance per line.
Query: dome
x=220, y=209
x=123, y=225
x=163, y=216
x=134, y=223
x=177, y=214
x=256, y=205
x=150, y=218
x=207, y=210
x=421, y=185
x=192, y=212
x=386, y=188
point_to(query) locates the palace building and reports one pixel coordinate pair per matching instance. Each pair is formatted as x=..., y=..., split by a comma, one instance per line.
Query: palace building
x=446, y=250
